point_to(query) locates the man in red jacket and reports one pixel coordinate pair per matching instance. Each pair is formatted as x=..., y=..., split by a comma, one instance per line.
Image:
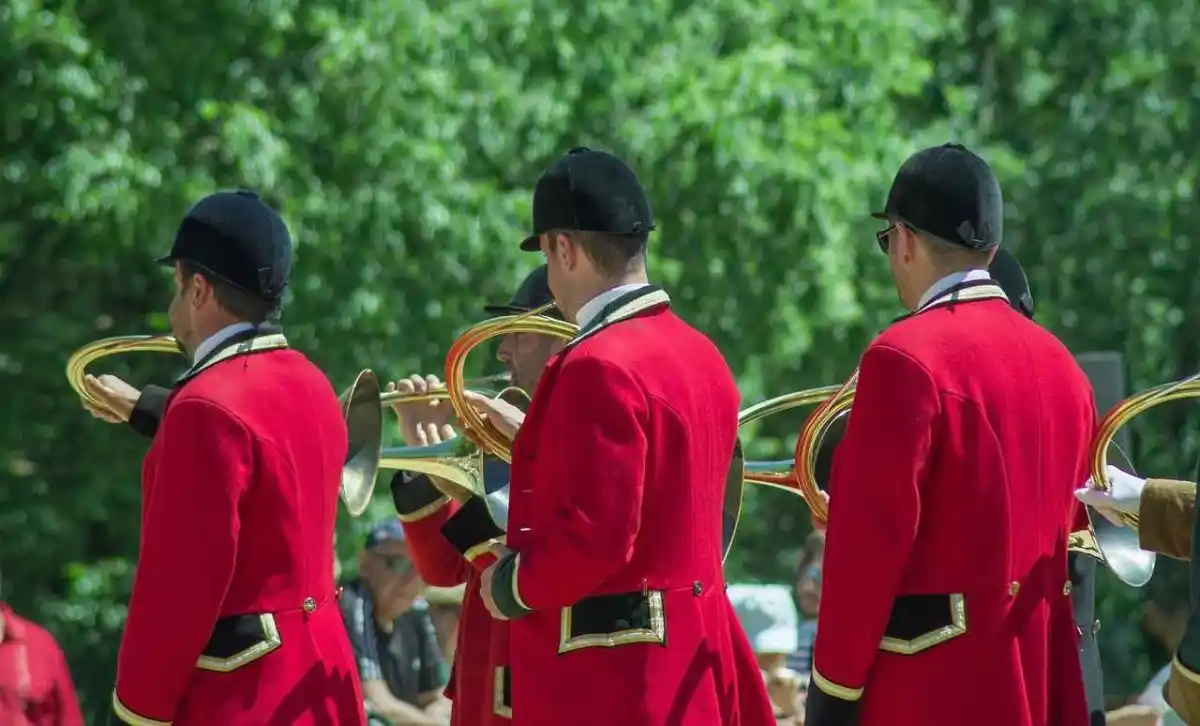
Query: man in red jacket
x=449, y=543
x=233, y=618
x=945, y=598
x=614, y=580
x=35, y=683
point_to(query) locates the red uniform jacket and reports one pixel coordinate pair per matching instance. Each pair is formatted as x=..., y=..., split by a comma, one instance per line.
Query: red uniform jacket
x=945, y=594
x=448, y=544
x=35, y=682
x=615, y=520
x=232, y=618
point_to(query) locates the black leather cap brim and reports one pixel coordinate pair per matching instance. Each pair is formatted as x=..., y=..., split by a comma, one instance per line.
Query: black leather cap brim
x=881, y=215
x=167, y=261
x=531, y=243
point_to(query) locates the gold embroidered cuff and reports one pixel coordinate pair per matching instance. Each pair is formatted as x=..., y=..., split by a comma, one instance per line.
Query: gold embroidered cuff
x=425, y=511
x=842, y=693
x=124, y=715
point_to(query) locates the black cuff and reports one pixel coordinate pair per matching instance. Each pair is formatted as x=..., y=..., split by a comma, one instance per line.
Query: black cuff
x=1189, y=646
x=412, y=493
x=148, y=410
x=502, y=588
x=823, y=709
x=471, y=526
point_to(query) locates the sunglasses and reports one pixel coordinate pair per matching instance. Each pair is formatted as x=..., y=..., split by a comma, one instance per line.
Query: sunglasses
x=883, y=237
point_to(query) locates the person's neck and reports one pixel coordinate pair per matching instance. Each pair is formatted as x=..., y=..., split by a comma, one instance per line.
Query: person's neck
x=937, y=276
x=595, y=288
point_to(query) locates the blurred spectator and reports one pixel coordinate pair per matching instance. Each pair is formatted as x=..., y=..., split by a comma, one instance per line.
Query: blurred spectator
x=393, y=636
x=768, y=615
x=35, y=684
x=808, y=600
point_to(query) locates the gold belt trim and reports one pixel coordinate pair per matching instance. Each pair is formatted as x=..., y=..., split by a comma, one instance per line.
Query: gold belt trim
x=500, y=706
x=925, y=641
x=271, y=641
x=656, y=633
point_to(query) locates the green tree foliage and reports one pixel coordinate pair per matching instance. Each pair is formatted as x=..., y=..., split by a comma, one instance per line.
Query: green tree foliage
x=401, y=140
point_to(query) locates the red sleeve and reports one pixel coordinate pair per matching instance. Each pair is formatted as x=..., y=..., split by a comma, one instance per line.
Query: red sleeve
x=64, y=692
x=438, y=563
x=189, y=541
x=875, y=507
x=597, y=416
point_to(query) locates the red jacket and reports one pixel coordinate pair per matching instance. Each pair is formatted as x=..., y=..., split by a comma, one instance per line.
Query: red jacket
x=35, y=683
x=944, y=600
x=615, y=516
x=448, y=545
x=232, y=618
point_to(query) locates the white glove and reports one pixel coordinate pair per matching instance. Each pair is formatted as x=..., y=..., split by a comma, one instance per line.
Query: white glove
x=1125, y=497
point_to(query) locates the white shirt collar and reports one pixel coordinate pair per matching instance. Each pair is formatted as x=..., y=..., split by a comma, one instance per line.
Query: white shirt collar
x=593, y=307
x=949, y=281
x=215, y=340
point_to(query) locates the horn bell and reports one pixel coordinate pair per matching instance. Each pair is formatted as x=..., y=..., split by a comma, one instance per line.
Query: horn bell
x=364, y=428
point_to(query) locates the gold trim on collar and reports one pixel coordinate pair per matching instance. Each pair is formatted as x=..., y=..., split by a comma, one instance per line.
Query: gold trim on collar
x=990, y=291
x=925, y=641
x=271, y=641
x=656, y=633
x=126, y=716
x=842, y=693
x=259, y=344
x=626, y=311
x=499, y=706
x=425, y=511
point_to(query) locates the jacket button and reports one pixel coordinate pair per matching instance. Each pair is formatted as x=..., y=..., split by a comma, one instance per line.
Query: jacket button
x=1014, y=588
x=697, y=588
x=1067, y=588
x=309, y=604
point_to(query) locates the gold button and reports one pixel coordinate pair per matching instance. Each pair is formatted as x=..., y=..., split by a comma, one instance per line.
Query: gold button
x=309, y=604
x=1067, y=588
x=1014, y=588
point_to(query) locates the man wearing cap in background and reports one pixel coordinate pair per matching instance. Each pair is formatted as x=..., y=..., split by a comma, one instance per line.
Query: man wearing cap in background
x=232, y=618
x=772, y=623
x=1010, y=276
x=614, y=580
x=952, y=487
x=450, y=542
x=392, y=633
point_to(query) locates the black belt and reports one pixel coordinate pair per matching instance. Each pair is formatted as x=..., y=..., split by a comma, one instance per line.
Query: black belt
x=919, y=622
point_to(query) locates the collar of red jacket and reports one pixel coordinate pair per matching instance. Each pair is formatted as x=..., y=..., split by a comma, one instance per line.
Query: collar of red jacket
x=14, y=629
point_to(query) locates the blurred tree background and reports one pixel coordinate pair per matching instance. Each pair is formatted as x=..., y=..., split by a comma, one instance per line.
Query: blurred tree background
x=402, y=138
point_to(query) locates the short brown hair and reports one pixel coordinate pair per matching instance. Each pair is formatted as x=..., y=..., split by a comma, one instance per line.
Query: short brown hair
x=239, y=303
x=612, y=254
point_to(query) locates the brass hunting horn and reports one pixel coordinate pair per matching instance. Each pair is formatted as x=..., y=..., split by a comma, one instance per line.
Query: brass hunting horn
x=1131, y=564
x=490, y=440
x=362, y=407
x=456, y=466
x=781, y=474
